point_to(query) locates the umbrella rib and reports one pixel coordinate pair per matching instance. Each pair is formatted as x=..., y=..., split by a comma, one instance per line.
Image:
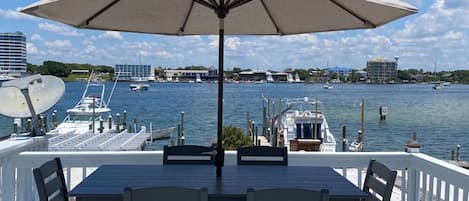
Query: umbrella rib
x=237, y=3
x=214, y=3
x=87, y=21
x=271, y=18
x=353, y=14
x=206, y=4
x=181, y=30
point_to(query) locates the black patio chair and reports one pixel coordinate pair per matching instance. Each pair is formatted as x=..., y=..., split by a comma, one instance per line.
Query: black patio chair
x=379, y=180
x=290, y=194
x=262, y=155
x=189, y=154
x=50, y=181
x=165, y=194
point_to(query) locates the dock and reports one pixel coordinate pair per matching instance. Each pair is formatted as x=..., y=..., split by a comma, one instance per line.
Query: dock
x=107, y=141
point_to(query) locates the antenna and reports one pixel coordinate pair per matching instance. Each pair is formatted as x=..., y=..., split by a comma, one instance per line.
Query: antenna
x=28, y=96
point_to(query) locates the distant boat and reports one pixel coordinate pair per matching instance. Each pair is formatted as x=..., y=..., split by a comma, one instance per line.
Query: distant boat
x=197, y=78
x=436, y=84
x=139, y=86
x=297, y=78
x=328, y=86
x=290, y=78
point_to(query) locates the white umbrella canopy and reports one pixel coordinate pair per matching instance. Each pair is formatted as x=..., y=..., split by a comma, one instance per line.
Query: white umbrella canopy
x=212, y=17
x=255, y=17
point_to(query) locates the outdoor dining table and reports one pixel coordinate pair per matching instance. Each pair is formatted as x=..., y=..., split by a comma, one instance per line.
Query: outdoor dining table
x=108, y=181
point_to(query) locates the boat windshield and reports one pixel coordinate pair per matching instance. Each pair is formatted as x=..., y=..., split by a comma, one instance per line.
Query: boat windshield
x=79, y=117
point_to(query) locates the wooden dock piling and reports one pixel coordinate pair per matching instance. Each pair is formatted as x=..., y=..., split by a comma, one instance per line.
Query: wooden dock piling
x=344, y=139
x=54, y=119
x=118, y=122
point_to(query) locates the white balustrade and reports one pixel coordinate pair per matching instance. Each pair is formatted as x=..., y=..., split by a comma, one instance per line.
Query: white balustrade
x=421, y=177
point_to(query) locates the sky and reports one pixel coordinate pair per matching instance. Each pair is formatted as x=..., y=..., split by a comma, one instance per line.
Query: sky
x=435, y=38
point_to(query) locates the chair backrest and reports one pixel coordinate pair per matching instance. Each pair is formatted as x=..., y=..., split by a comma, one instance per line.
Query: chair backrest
x=165, y=194
x=50, y=181
x=188, y=154
x=290, y=194
x=262, y=155
x=380, y=180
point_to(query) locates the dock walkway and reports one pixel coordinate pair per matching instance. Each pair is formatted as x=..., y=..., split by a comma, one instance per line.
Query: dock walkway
x=108, y=141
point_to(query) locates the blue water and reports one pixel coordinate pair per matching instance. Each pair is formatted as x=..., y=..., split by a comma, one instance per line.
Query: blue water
x=440, y=118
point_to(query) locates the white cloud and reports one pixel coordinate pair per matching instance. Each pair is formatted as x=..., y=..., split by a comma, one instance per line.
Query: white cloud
x=302, y=38
x=164, y=54
x=112, y=35
x=31, y=48
x=14, y=14
x=59, y=29
x=36, y=37
x=58, y=44
x=232, y=43
x=456, y=4
x=90, y=49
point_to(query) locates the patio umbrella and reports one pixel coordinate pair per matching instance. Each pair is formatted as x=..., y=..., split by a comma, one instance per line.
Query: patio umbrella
x=212, y=17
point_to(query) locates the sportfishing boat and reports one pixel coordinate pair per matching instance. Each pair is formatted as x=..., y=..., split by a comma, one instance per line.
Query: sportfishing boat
x=88, y=112
x=305, y=126
x=139, y=86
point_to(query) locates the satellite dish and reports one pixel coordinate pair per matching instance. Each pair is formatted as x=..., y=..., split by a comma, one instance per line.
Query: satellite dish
x=45, y=91
x=25, y=96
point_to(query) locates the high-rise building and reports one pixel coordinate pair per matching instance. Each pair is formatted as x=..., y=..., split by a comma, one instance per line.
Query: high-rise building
x=129, y=72
x=381, y=71
x=13, y=54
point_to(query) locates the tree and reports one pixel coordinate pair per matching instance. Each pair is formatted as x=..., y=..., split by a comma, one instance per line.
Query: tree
x=234, y=137
x=56, y=68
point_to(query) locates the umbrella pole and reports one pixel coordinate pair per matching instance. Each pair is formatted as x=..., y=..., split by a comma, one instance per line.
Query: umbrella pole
x=220, y=151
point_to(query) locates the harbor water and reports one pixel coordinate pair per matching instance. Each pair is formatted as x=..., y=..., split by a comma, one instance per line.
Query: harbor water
x=440, y=117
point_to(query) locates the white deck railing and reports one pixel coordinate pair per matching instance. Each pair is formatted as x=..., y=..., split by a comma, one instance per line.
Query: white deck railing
x=421, y=177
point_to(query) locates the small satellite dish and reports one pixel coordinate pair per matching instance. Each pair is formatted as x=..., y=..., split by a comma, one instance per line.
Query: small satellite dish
x=44, y=91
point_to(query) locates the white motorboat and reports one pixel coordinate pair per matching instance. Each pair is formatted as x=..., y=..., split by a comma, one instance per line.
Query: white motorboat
x=139, y=86
x=89, y=111
x=328, y=86
x=305, y=127
x=5, y=77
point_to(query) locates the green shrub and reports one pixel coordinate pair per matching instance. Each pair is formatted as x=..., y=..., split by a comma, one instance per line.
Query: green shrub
x=234, y=137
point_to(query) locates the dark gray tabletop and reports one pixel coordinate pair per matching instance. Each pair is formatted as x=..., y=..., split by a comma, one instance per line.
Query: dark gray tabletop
x=108, y=181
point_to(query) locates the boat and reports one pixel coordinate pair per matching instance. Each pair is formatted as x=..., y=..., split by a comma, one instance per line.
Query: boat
x=436, y=83
x=197, y=78
x=328, y=86
x=5, y=77
x=290, y=78
x=137, y=86
x=88, y=112
x=297, y=78
x=305, y=126
x=436, y=86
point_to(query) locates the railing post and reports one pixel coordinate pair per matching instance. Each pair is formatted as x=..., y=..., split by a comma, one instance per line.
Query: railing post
x=413, y=185
x=8, y=179
x=24, y=188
